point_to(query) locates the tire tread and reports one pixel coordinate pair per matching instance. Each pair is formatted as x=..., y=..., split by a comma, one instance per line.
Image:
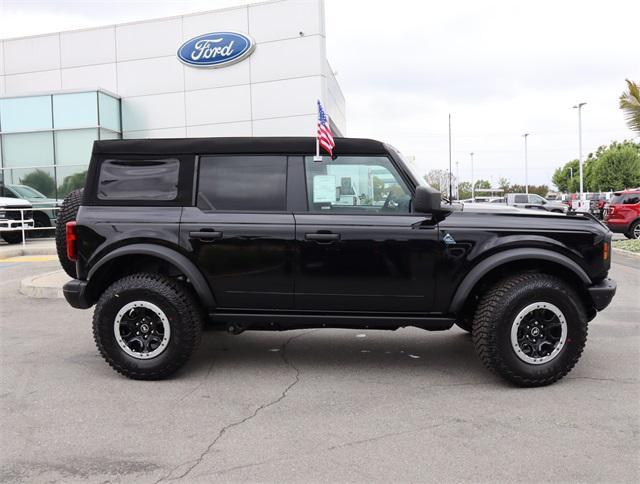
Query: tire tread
x=177, y=293
x=484, y=330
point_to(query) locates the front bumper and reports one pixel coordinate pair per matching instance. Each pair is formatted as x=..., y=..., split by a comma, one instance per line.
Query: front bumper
x=14, y=225
x=75, y=292
x=602, y=293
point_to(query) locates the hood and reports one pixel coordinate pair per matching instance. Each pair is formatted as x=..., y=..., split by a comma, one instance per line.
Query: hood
x=13, y=202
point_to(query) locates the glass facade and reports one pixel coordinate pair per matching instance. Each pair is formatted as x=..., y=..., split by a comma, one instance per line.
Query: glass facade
x=46, y=141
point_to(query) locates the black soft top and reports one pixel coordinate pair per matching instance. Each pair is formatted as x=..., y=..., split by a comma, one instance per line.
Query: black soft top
x=259, y=145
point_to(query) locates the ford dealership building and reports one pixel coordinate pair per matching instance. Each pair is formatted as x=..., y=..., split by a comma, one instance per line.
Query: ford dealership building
x=253, y=70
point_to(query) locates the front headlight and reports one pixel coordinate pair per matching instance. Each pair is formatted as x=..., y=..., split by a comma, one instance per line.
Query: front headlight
x=3, y=214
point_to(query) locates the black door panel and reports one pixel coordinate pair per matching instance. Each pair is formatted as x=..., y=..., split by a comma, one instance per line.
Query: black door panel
x=246, y=258
x=365, y=262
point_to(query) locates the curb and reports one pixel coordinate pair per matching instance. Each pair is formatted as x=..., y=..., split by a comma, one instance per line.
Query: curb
x=635, y=255
x=19, y=251
x=44, y=286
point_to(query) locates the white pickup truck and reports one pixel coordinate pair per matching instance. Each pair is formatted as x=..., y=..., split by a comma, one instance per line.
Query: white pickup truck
x=531, y=200
x=15, y=215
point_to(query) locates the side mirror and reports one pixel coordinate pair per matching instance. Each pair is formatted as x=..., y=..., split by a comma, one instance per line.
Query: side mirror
x=427, y=200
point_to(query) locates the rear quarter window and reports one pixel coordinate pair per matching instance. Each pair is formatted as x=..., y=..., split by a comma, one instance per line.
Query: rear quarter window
x=139, y=180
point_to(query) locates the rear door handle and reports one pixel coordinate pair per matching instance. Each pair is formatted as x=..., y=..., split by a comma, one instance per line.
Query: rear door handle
x=205, y=235
x=322, y=237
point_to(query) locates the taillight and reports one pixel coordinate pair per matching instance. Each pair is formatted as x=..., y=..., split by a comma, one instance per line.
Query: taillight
x=72, y=241
x=605, y=251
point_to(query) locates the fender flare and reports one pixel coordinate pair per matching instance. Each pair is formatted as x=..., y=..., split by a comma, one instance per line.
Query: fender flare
x=172, y=256
x=501, y=258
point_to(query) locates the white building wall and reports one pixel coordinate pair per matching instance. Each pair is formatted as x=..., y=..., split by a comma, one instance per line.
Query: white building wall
x=272, y=93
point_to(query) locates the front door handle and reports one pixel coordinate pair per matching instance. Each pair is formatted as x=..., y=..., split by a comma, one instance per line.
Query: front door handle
x=205, y=235
x=322, y=237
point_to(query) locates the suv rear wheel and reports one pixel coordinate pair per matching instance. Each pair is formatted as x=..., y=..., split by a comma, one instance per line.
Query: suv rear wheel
x=67, y=213
x=530, y=329
x=147, y=326
x=634, y=230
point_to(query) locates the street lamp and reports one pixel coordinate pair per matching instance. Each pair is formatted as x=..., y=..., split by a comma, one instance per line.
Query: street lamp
x=579, y=108
x=457, y=181
x=526, y=163
x=473, y=185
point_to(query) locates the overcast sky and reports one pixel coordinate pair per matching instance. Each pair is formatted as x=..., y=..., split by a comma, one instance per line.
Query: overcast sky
x=501, y=68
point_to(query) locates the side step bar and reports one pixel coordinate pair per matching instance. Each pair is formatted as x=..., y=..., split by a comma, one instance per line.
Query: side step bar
x=288, y=320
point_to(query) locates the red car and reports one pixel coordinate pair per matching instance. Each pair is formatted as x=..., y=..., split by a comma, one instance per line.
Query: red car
x=623, y=213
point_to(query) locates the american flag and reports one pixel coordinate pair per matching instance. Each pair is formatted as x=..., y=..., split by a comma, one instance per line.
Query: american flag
x=325, y=138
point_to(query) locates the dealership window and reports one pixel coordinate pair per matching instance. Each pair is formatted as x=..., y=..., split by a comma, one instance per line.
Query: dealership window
x=25, y=114
x=46, y=141
x=109, y=110
x=247, y=183
x=356, y=184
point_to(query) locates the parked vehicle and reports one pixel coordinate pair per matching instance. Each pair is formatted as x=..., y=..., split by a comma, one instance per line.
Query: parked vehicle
x=43, y=214
x=597, y=202
x=253, y=234
x=622, y=214
x=534, y=201
x=13, y=220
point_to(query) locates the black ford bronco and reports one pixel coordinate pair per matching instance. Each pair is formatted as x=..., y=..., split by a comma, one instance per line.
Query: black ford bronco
x=253, y=234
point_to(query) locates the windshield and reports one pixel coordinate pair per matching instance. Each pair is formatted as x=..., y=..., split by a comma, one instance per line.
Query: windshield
x=414, y=171
x=27, y=192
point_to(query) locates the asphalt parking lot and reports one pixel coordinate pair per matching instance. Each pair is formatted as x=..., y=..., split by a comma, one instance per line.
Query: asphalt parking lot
x=323, y=405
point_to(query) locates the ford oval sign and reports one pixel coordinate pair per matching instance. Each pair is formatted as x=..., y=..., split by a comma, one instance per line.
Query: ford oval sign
x=217, y=49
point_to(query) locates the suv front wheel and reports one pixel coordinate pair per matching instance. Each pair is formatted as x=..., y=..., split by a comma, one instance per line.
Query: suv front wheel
x=147, y=326
x=530, y=329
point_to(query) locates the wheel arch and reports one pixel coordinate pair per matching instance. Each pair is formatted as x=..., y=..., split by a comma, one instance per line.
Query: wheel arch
x=511, y=261
x=139, y=257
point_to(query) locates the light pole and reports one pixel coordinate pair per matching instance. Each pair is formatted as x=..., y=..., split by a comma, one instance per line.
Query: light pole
x=579, y=108
x=457, y=181
x=526, y=165
x=473, y=185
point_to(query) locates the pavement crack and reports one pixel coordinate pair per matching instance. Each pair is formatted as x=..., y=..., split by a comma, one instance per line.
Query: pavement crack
x=335, y=447
x=196, y=462
x=615, y=380
x=202, y=382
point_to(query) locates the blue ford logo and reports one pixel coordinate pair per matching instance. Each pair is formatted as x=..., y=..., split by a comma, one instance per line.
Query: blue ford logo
x=217, y=49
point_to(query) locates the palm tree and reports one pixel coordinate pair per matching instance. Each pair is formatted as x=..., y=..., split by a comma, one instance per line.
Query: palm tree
x=630, y=104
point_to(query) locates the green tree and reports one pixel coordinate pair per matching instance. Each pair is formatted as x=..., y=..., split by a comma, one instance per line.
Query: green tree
x=504, y=184
x=567, y=177
x=630, y=105
x=482, y=184
x=616, y=167
x=464, y=190
x=541, y=190
x=75, y=181
x=41, y=181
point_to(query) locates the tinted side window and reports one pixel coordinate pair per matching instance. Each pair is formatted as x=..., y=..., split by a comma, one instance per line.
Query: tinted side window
x=239, y=182
x=520, y=199
x=631, y=199
x=143, y=180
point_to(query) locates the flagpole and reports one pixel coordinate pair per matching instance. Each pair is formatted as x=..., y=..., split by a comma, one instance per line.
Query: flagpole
x=317, y=157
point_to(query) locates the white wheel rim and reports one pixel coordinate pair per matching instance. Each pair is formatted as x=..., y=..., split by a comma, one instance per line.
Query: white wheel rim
x=136, y=338
x=528, y=328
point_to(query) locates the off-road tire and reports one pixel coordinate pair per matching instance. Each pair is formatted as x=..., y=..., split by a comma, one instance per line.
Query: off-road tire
x=494, y=317
x=67, y=213
x=13, y=237
x=174, y=299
